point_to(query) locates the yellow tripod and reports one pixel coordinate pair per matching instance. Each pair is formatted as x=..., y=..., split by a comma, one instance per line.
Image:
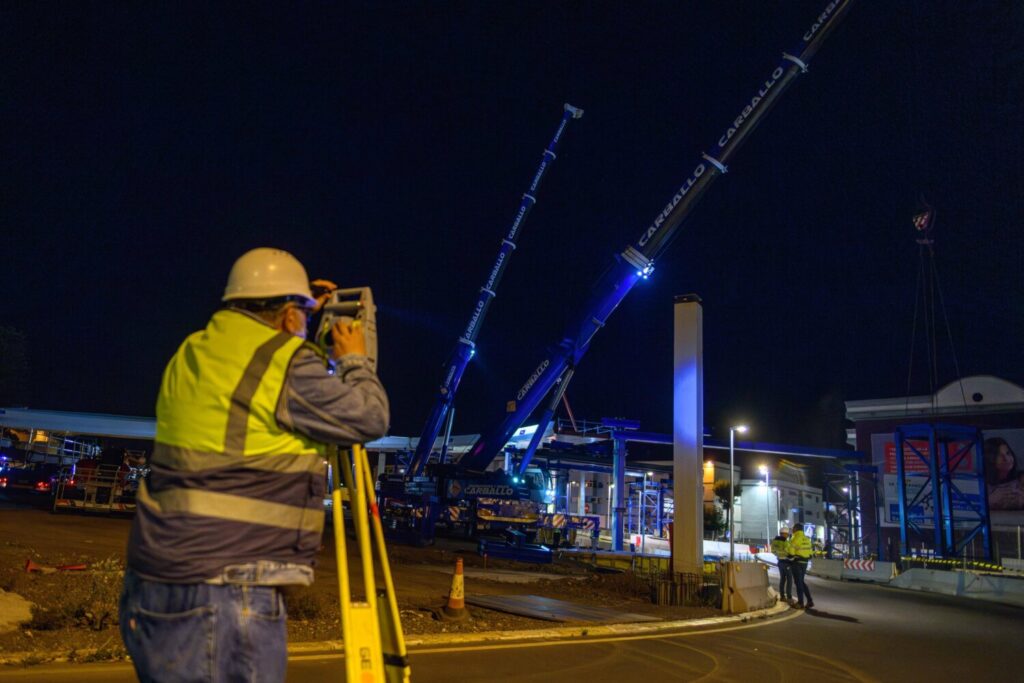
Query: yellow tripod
x=372, y=630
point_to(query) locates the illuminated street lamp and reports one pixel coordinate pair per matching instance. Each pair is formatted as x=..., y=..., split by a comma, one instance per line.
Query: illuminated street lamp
x=742, y=429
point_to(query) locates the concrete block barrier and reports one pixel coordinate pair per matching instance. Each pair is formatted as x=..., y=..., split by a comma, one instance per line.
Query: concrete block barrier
x=746, y=587
x=929, y=580
x=825, y=568
x=1007, y=590
x=869, y=570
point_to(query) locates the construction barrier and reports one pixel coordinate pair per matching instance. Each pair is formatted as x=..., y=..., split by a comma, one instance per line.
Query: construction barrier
x=1015, y=564
x=825, y=568
x=1003, y=589
x=963, y=564
x=746, y=587
x=868, y=570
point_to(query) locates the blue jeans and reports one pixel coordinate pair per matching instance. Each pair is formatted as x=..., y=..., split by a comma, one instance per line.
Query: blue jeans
x=799, y=569
x=201, y=633
x=785, y=580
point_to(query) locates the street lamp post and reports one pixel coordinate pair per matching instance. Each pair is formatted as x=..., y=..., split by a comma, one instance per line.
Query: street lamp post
x=742, y=429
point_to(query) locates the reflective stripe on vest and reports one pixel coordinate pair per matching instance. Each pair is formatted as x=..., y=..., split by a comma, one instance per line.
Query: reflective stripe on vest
x=220, y=391
x=221, y=465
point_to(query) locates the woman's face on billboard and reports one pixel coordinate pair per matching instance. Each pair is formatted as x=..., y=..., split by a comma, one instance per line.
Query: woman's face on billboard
x=1004, y=461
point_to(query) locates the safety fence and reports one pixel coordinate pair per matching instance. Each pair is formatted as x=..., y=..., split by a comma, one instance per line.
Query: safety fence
x=652, y=573
x=654, y=566
x=949, y=564
x=689, y=589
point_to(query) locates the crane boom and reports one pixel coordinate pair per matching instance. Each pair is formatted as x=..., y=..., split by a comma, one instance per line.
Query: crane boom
x=636, y=261
x=465, y=347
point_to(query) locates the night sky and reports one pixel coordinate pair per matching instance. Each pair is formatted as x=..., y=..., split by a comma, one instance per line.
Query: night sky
x=144, y=147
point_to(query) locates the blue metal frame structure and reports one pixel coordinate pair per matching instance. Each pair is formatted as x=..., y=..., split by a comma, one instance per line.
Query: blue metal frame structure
x=465, y=346
x=849, y=504
x=941, y=489
x=636, y=261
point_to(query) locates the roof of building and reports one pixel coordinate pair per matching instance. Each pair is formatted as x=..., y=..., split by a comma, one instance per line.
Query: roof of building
x=974, y=394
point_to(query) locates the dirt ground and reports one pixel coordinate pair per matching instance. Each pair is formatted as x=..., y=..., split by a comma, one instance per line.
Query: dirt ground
x=75, y=613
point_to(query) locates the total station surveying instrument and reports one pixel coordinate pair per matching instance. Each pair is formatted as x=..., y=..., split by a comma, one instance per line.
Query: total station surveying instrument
x=371, y=627
x=355, y=306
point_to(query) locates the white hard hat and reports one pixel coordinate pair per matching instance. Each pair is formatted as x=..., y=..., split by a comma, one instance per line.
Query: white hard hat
x=267, y=274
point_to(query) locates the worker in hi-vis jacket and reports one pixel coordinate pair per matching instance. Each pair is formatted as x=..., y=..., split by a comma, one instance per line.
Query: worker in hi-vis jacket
x=779, y=547
x=800, y=551
x=232, y=509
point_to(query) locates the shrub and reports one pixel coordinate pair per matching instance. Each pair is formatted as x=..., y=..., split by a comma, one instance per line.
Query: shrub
x=87, y=599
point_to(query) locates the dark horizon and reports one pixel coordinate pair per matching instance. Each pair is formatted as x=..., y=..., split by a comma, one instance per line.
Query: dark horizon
x=147, y=147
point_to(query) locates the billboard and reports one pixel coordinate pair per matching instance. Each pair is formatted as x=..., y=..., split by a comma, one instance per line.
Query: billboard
x=1004, y=478
x=1004, y=475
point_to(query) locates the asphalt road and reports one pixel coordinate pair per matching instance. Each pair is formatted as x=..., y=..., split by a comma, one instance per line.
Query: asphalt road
x=858, y=632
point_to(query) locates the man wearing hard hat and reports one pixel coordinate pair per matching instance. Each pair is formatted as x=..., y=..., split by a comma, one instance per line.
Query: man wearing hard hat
x=232, y=510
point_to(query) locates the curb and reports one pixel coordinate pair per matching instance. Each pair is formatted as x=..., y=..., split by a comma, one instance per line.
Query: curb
x=431, y=640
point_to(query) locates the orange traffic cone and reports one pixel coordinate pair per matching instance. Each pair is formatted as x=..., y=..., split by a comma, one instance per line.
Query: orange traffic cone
x=456, y=607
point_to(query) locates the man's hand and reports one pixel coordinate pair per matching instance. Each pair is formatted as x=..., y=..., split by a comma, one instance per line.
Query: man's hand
x=348, y=338
x=321, y=292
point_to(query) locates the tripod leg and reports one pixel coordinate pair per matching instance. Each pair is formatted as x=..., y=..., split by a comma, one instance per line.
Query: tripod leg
x=395, y=662
x=340, y=557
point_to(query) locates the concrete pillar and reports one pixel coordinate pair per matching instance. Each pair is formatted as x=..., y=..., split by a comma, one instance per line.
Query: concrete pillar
x=619, y=492
x=688, y=436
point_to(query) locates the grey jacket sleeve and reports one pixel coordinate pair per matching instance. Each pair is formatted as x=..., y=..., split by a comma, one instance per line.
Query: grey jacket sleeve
x=343, y=407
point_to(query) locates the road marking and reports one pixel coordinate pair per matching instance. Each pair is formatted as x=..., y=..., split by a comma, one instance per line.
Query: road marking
x=854, y=673
x=714, y=660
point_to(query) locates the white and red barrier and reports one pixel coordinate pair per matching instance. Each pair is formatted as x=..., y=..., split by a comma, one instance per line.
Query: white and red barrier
x=869, y=570
x=859, y=565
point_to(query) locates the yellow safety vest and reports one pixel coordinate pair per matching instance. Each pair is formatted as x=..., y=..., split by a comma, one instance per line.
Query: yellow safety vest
x=227, y=484
x=799, y=546
x=780, y=549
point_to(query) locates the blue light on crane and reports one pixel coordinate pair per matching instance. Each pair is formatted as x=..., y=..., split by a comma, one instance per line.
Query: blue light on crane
x=646, y=272
x=515, y=480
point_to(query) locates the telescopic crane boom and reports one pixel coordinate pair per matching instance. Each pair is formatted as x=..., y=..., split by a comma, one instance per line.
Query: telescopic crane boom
x=465, y=347
x=636, y=261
